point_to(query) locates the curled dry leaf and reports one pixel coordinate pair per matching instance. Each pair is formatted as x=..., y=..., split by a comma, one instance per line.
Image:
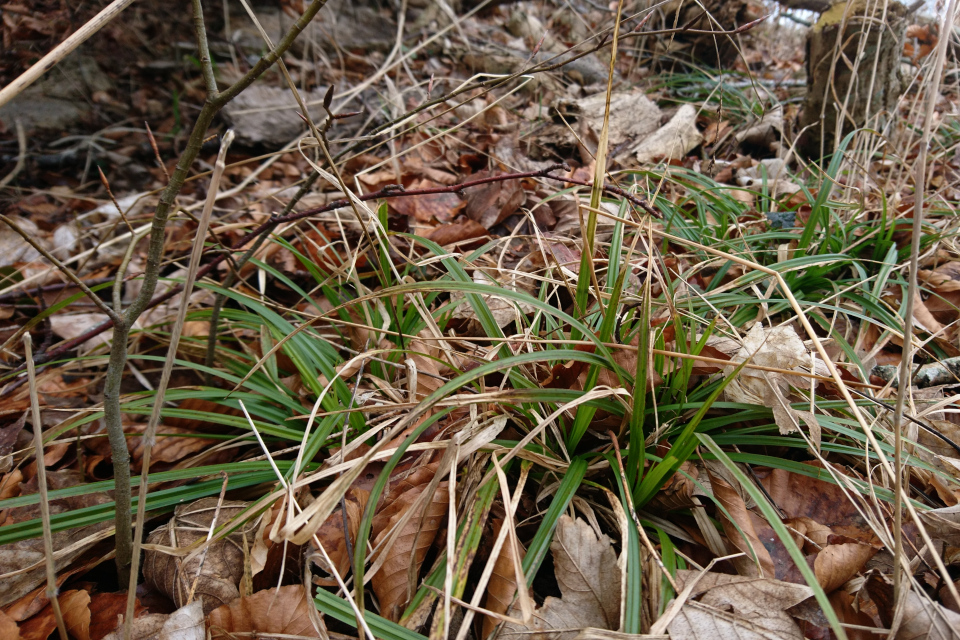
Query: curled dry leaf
x=745, y=539
x=280, y=610
x=589, y=579
x=943, y=524
x=835, y=564
x=724, y=607
x=222, y=564
x=780, y=348
x=410, y=544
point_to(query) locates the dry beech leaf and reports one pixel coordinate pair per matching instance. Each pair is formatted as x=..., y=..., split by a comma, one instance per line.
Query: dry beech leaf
x=835, y=564
x=72, y=605
x=589, y=579
x=222, y=568
x=17, y=556
x=106, y=609
x=502, y=586
x=724, y=607
x=8, y=627
x=410, y=546
x=332, y=538
x=279, y=610
x=747, y=541
x=922, y=619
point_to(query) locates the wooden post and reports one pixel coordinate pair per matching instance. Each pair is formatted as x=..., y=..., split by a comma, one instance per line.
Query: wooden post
x=853, y=72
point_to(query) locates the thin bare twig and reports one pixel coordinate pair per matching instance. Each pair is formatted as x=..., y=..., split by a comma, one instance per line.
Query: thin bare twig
x=94, y=298
x=933, y=92
x=149, y=436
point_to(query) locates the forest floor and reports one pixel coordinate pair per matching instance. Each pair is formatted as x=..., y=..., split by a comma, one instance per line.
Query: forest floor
x=487, y=310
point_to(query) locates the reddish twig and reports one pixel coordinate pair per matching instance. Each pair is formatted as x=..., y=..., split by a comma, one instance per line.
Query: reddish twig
x=390, y=191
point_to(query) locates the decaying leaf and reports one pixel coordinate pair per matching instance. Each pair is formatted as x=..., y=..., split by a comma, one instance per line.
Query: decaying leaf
x=22, y=563
x=724, y=607
x=589, y=579
x=222, y=564
x=8, y=627
x=186, y=623
x=779, y=348
x=745, y=538
x=405, y=553
x=922, y=619
x=279, y=610
x=502, y=586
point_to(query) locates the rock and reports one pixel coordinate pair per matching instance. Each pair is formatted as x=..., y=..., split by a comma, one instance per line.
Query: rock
x=61, y=99
x=354, y=26
x=673, y=140
x=633, y=116
x=268, y=115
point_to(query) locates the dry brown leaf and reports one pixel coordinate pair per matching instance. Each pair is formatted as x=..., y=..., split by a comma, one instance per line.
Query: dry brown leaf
x=489, y=204
x=589, y=579
x=724, y=607
x=746, y=539
x=410, y=546
x=922, y=619
x=332, y=538
x=457, y=232
x=835, y=564
x=800, y=495
x=280, y=610
x=442, y=206
x=74, y=607
x=106, y=609
x=502, y=586
x=17, y=556
x=8, y=628
x=223, y=563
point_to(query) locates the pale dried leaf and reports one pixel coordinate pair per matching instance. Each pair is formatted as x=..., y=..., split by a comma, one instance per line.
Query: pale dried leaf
x=921, y=618
x=589, y=579
x=186, y=623
x=724, y=607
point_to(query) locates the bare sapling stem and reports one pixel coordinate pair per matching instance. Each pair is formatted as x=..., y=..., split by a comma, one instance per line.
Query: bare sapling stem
x=125, y=322
x=42, y=489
